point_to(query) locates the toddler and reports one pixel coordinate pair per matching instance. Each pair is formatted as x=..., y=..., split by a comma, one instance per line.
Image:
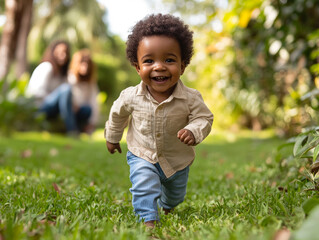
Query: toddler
x=165, y=118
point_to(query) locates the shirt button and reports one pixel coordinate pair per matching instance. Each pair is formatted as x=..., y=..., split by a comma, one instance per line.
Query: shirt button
x=159, y=155
x=160, y=107
x=158, y=135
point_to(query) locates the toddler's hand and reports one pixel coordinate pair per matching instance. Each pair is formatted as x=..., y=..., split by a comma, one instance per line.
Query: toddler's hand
x=111, y=147
x=186, y=137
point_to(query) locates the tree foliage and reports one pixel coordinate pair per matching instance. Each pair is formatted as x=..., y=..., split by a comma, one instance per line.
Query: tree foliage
x=273, y=60
x=255, y=59
x=1, y=6
x=77, y=21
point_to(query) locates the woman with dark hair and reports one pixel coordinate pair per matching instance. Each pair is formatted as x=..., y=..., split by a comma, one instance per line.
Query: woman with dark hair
x=48, y=85
x=84, y=90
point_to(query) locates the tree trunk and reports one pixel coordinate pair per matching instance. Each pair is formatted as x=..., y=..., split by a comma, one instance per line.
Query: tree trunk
x=21, y=48
x=15, y=32
x=9, y=31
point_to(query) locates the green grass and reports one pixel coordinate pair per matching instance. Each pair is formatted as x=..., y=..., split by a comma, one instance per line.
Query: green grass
x=53, y=187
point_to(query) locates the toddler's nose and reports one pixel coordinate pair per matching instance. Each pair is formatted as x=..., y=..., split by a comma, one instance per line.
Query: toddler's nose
x=159, y=66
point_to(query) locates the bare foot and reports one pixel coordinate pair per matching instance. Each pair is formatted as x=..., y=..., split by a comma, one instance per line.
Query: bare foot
x=150, y=224
x=167, y=211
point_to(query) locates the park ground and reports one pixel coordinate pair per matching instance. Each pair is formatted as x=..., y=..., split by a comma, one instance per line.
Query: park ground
x=53, y=187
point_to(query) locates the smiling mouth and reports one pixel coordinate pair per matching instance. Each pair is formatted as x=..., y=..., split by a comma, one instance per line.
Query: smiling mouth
x=160, y=79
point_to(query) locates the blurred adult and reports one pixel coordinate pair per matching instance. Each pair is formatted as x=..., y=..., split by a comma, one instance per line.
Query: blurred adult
x=49, y=86
x=84, y=90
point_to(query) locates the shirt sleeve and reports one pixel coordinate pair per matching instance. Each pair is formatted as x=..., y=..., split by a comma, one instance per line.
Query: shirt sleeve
x=37, y=86
x=118, y=119
x=200, y=119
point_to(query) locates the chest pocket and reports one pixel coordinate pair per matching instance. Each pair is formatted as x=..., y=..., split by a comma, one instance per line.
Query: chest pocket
x=142, y=121
x=175, y=123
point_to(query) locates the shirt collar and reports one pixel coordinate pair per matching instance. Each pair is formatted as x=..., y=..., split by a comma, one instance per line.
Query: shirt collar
x=179, y=91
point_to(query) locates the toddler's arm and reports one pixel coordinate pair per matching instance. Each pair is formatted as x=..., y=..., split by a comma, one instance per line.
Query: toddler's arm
x=200, y=119
x=186, y=137
x=118, y=120
x=111, y=147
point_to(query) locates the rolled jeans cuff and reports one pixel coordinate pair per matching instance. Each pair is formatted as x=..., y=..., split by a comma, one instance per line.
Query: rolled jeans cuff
x=149, y=216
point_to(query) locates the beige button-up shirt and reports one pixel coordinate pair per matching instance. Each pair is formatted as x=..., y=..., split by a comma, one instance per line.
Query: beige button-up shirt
x=153, y=126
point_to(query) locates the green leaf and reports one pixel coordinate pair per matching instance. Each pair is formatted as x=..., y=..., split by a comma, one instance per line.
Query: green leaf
x=309, y=229
x=304, y=143
x=314, y=54
x=315, y=153
x=314, y=35
x=310, y=204
x=298, y=144
x=285, y=145
x=315, y=68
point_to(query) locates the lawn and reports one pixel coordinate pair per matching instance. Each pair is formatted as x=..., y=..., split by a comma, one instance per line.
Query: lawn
x=52, y=187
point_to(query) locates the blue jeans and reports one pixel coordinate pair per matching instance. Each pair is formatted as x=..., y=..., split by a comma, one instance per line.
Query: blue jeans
x=59, y=102
x=151, y=188
x=82, y=116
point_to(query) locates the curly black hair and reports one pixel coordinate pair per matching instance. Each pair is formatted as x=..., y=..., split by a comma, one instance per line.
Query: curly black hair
x=165, y=25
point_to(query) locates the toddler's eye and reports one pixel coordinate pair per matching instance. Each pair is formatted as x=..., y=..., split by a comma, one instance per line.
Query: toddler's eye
x=170, y=60
x=148, y=61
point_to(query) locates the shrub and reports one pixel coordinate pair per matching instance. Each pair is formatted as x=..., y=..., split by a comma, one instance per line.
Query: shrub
x=17, y=112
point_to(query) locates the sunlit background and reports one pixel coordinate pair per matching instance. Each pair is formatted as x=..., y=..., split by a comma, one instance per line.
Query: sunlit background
x=255, y=62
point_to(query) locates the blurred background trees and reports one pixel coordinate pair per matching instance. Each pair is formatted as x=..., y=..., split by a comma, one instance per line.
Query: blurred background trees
x=272, y=63
x=83, y=24
x=255, y=62
x=14, y=38
x=80, y=22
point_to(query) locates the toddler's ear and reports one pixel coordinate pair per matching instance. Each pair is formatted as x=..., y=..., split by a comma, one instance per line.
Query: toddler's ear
x=137, y=67
x=183, y=68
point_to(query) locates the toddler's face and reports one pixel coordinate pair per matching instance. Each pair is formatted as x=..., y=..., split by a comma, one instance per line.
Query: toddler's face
x=159, y=64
